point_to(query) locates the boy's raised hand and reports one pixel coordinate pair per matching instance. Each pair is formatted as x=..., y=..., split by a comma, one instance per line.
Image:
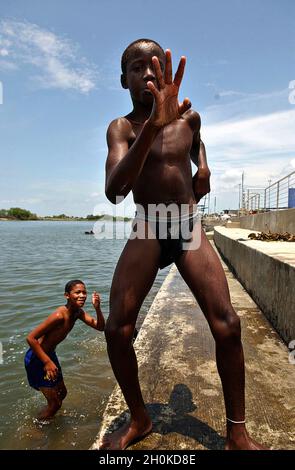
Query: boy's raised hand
x=166, y=107
x=96, y=300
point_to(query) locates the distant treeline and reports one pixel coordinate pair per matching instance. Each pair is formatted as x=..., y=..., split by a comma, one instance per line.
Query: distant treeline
x=16, y=213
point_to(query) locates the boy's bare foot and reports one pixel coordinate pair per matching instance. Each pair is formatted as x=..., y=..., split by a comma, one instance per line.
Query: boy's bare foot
x=242, y=441
x=43, y=416
x=126, y=435
x=47, y=413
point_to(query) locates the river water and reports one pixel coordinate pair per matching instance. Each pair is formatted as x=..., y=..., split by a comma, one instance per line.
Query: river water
x=37, y=259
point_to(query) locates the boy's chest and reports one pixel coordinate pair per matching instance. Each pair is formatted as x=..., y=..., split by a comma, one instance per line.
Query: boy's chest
x=173, y=141
x=62, y=331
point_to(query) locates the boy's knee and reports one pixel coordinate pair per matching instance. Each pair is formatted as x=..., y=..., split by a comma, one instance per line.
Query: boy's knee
x=117, y=335
x=229, y=328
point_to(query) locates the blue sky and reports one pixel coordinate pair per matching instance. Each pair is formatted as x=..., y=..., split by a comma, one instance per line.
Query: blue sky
x=60, y=71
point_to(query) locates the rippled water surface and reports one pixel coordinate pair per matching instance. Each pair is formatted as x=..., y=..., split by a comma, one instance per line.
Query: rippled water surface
x=37, y=259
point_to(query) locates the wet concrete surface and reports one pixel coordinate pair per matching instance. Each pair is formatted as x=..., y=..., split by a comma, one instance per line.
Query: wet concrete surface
x=180, y=383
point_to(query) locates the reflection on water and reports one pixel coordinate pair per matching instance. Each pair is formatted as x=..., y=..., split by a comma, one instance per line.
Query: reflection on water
x=37, y=259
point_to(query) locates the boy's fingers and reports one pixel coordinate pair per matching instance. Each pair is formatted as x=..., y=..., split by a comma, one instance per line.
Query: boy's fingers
x=153, y=89
x=180, y=71
x=158, y=72
x=168, y=67
x=183, y=107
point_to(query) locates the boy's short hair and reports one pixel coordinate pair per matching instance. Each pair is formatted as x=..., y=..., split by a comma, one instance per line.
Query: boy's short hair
x=69, y=285
x=129, y=50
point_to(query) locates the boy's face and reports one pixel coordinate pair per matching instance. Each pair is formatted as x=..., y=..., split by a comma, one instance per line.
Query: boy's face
x=77, y=296
x=140, y=70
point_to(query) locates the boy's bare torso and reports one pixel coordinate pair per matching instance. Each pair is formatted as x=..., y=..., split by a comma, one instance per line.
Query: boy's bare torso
x=66, y=322
x=166, y=176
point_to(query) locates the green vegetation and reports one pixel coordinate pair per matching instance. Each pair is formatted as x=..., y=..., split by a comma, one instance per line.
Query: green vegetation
x=94, y=217
x=16, y=213
x=108, y=217
x=61, y=217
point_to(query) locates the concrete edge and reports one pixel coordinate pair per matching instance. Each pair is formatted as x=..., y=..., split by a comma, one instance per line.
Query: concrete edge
x=112, y=417
x=267, y=279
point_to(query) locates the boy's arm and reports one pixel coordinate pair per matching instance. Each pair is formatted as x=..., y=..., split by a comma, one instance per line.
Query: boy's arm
x=99, y=322
x=201, y=180
x=54, y=320
x=124, y=164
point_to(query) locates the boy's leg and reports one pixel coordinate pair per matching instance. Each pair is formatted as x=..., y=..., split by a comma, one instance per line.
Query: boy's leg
x=203, y=273
x=61, y=390
x=54, y=396
x=133, y=278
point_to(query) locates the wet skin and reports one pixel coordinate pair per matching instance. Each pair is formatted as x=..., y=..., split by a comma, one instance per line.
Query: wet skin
x=45, y=337
x=149, y=154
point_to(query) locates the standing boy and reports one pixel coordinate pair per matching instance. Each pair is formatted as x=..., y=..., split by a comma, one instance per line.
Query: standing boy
x=149, y=153
x=41, y=362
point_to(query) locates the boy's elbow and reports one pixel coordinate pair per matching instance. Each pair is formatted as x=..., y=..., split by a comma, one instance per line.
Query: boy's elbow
x=29, y=340
x=111, y=196
x=100, y=325
x=115, y=197
x=109, y=192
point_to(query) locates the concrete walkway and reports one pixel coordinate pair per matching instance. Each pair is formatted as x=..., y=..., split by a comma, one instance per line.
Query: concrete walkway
x=180, y=383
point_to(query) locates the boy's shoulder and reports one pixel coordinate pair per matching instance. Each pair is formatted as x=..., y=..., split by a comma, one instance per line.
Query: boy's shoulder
x=122, y=123
x=193, y=118
x=120, y=127
x=59, y=313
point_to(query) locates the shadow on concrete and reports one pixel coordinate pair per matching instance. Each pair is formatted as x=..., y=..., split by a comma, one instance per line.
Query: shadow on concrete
x=174, y=417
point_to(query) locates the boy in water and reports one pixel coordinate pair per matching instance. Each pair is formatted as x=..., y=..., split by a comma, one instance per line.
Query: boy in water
x=42, y=365
x=149, y=153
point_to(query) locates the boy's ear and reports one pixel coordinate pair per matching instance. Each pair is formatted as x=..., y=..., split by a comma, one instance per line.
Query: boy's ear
x=123, y=81
x=66, y=295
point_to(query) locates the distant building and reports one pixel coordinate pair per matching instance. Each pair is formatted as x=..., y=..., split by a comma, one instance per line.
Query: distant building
x=231, y=211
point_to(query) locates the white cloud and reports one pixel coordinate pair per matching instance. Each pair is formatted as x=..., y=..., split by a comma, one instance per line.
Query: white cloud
x=18, y=202
x=6, y=65
x=253, y=134
x=260, y=147
x=267, y=136
x=231, y=176
x=56, y=58
x=240, y=105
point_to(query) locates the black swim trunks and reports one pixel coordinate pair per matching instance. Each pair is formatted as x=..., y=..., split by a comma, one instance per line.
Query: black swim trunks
x=178, y=236
x=174, y=234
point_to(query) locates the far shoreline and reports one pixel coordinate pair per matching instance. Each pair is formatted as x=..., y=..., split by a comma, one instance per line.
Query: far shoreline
x=74, y=219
